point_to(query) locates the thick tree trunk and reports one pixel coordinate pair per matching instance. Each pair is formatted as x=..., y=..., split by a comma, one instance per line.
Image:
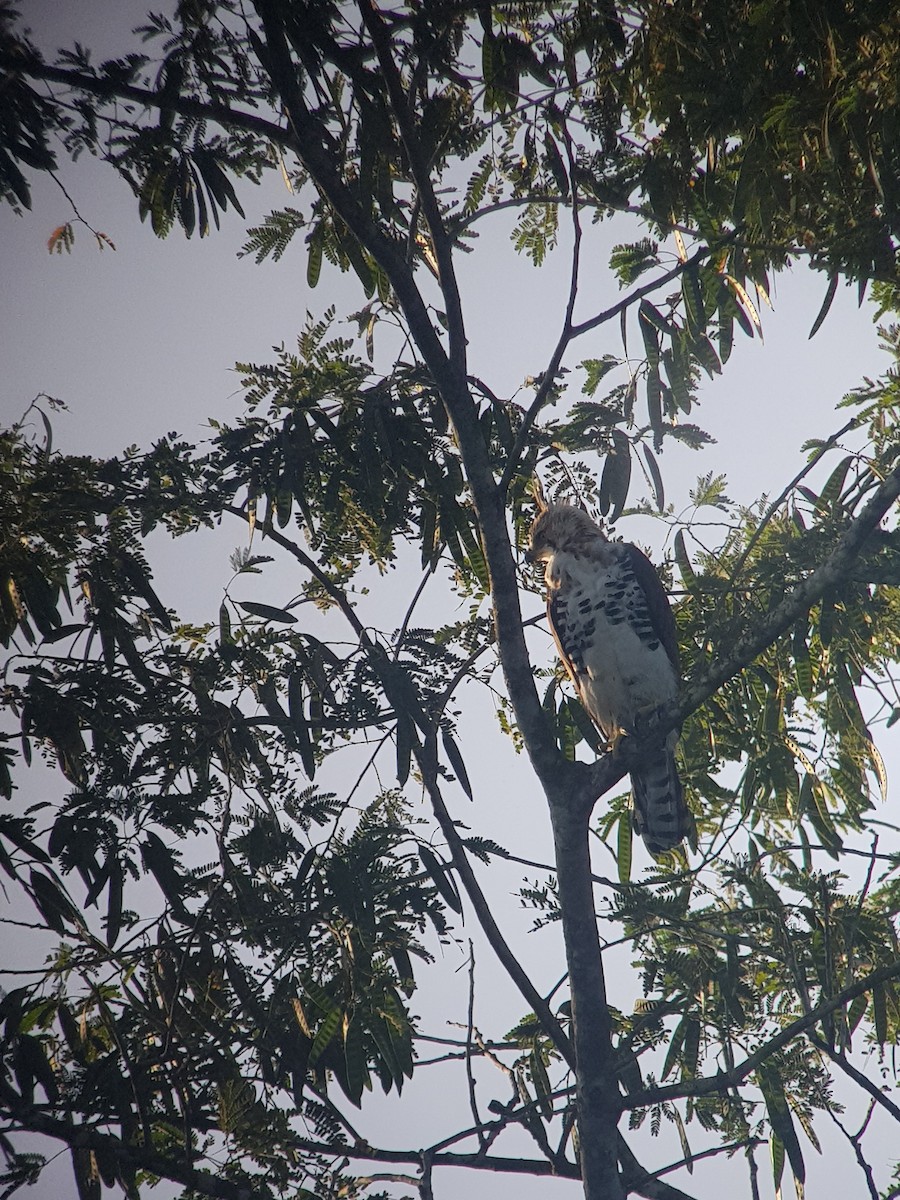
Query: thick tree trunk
x=597, y=1090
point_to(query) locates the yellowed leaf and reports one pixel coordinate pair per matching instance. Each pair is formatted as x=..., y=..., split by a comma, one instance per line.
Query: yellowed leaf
x=749, y=307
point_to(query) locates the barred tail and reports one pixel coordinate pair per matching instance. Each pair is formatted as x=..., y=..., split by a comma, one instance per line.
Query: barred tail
x=661, y=816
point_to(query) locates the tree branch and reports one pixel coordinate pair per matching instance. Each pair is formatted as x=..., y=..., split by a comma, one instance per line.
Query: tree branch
x=562, y=343
x=482, y=908
x=428, y=766
x=421, y=174
x=709, y=1084
x=857, y=1076
x=512, y=1166
x=115, y=89
x=636, y=1179
x=832, y=572
x=83, y=1137
x=599, y=777
x=638, y=294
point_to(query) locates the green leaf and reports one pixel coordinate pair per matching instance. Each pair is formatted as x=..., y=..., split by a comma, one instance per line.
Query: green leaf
x=691, y=1048
x=217, y=181
x=776, y=1152
x=616, y=477
x=456, y=762
x=268, y=696
x=267, y=612
x=355, y=1061
x=649, y=321
x=567, y=732
x=780, y=1118
x=688, y=578
x=857, y=1011
x=828, y=502
x=802, y=662
x=586, y=727
x=225, y=625
x=655, y=478
x=315, y=241
x=685, y=1144
x=359, y=261
x=400, y=1031
x=675, y=1044
x=624, y=845
x=879, y=1011
x=629, y=261
x=442, y=879
x=114, y=901
x=475, y=559
x=325, y=1033
x=830, y=293
x=405, y=735
x=17, y=830
x=55, y=907
x=299, y=723
x=541, y=1081
x=694, y=306
x=555, y=161
x=382, y=1033
x=404, y=968
x=706, y=356
x=654, y=406
x=160, y=862
x=726, y=328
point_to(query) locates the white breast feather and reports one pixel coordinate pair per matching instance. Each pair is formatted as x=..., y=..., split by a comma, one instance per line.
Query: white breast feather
x=618, y=674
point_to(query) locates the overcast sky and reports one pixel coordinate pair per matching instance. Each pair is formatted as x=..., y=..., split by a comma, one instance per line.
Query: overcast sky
x=142, y=340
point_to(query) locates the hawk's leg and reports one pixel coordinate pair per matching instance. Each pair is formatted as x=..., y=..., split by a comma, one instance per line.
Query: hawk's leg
x=616, y=738
x=646, y=718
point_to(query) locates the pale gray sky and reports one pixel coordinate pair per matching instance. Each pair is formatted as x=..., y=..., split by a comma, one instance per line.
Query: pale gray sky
x=142, y=340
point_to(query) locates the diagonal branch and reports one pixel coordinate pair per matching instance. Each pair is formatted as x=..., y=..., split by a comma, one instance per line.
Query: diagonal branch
x=857, y=1076
x=431, y=211
x=599, y=777
x=83, y=1137
x=482, y=908
x=312, y=145
x=427, y=759
x=725, y=1079
x=646, y=289
x=117, y=89
x=833, y=571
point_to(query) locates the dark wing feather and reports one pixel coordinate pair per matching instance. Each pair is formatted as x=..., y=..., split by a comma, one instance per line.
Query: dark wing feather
x=658, y=608
x=570, y=652
x=557, y=621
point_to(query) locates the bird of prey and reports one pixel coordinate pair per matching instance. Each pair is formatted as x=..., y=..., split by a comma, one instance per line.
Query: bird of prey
x=615, y=633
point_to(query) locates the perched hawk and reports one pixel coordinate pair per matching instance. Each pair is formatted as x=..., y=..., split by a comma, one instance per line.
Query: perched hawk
x=615, y=634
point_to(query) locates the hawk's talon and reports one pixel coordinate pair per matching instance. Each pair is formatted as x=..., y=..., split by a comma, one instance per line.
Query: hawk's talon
x=646, y=718
x=615, y=740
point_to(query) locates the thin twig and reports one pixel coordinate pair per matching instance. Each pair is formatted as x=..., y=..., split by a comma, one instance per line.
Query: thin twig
x=565, y=336
x=855, y=1140
x=470, y=1031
